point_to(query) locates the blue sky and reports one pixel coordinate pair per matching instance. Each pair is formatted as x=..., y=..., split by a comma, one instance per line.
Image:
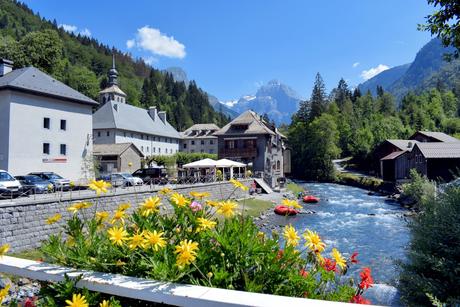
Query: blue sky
x=231, y=47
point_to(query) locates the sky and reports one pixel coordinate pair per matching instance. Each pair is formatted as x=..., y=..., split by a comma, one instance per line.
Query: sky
x=232, y=47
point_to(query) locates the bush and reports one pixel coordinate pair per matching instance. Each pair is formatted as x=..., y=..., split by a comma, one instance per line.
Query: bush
x=419, y=189
x=432, y=272
x=202, y=243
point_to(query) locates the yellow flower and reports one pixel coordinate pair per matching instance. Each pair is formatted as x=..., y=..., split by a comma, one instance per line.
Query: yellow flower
x=77, y=207
x=130, y=164
x=119, y=216
x=4, y=249
x=100, y=186
x=261, y=235
x=155, y=240
x=165, y=191
x=120, y=263
x=70, y=241
x=53, y=219
x=313, y=241
x=179, y=200
x=205, y=224
x=210, y=275
x=123, y=207
x=72, y=184
x=102, y=216
x=150, y=206
x=227, y=208
x=78, y=300
x=104, y=303
x=117, y=235
x=341, y=262
x=4, y=292
x=199, y=194
x=238, y=184
x=211, y=203
x=291, y=236
x=136, y=241
x=291, y=203
x=186, y=252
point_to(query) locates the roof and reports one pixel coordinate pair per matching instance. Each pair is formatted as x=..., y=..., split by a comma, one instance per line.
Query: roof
x=115, y=115
x=403, y=144
x=113, y=89
x=440, y=136
x=229, y=163
x=113, y=149
x=204, y=163
x=436, y=150
x=32, y=80
x=393, y=155
x=250, y=118
x=201, y=131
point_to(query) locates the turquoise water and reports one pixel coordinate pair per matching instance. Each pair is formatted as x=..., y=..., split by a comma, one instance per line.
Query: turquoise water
x=351, y=220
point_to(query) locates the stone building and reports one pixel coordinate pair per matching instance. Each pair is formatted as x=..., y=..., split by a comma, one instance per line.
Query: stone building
x=200, y=138
x=113, y=158
x=44, y=124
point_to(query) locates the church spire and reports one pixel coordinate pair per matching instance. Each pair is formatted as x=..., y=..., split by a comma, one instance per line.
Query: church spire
x=113, y=73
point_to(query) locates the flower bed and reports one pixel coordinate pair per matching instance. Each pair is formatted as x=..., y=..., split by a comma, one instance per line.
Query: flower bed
x=203, y=243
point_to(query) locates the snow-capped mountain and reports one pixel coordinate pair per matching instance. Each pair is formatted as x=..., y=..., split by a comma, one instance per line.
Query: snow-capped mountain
x=276, y=99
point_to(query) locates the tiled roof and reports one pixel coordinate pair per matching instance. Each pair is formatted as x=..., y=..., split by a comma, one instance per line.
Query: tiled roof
x=113, y=149
x=31, y=79
x=115, y=115
x=440, y=150
x=249, y=118
x=440, y=136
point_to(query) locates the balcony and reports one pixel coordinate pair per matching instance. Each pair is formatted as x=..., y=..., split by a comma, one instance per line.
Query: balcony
x=237, y=152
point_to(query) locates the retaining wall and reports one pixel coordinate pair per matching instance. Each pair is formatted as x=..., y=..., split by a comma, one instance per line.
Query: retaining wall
x=23, y=223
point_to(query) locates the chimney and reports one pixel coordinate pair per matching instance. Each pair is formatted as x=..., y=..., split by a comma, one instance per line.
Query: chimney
x=162, y=116
x=6, y=66
x=409, y=145
x=153, y=112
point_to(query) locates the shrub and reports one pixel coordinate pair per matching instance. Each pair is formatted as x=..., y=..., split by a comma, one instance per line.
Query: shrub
x=419, y=189
x=203, y=243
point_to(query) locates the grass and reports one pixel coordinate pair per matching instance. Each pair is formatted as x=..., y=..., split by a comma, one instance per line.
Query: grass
x=31, y=254
x=294, y=188
x=254, y=207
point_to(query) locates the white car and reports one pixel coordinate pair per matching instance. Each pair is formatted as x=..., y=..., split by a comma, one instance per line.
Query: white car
x=9, y=186
x=130, y=180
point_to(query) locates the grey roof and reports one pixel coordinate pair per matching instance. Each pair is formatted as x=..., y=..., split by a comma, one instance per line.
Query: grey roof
x=115, y=115
x=205, y=131
x=250, y=118
x=439, y=149
x=440, y=136
x=113, y=89
x=32, y=80
x=403, y=144
x=113, y=149
x=393, y=155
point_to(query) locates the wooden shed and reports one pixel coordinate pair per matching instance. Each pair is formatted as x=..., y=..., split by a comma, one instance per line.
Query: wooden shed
x=395, y=166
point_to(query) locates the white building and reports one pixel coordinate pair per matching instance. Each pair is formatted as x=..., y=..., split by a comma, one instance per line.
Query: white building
x=199, y=138
x=118, y=122
x=44, y=124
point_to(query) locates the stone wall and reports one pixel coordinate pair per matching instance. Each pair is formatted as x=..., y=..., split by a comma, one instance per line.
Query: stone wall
x=23, y=226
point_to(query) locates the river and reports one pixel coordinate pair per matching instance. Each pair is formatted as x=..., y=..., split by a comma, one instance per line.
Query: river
x=351, y=220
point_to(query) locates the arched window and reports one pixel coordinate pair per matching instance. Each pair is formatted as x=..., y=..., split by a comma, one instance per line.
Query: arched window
x=278, y=165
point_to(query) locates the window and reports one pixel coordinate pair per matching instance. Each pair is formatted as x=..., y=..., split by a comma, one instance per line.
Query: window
x=142, y=136
x=211, y=142
x=193, y=142
x=211, y=151
x=63, y=149
x=132, y=135
x=46, y=148
x=142, y=148
x=230, y=144
x=154, y=149
x=202, y=151
x=185, y=145
x=63, y=124
x=202, y=142
x=46, y=122
x=108, y=133
x=98, y=134
x=159, y=150
x=148, y=150
x=124, y=134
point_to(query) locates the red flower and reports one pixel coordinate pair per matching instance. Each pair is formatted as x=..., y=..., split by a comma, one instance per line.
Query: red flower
x=366, y=278
x=329, y=265
x=303, y=273
x=358, y=299
x=29, y=302
x=353, y=257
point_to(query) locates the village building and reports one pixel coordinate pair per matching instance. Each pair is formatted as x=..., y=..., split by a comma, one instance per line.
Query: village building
x=253, y=141
x=432, y=154
x=45, y=126
x=199, y=138
x=117, y=158
x=117, y=122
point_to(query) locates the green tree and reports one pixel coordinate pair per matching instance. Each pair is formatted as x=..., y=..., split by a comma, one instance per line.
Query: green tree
x=318, y=100
x=83, y=80
x=10, y=49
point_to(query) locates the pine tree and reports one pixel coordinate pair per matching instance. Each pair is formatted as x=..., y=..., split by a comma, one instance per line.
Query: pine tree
x=318, y=101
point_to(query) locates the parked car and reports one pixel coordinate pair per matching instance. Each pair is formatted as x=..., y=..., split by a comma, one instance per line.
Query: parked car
x=9, y=186
x=116, y=180
x=131, y=180
x=156, y=175
x=57, y=181
x=32, y=184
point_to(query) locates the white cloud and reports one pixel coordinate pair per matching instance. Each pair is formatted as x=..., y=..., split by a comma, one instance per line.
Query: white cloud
x=85, y=32
x=150, y=60
x=152, y=40
x=130, y=43
x=367, y=74
x=356, y=64
x=68, y=28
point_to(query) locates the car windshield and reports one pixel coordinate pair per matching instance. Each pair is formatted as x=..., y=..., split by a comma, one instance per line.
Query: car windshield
x=33, y=178
x=127, y=175
x=4, y=176
x=54, y=176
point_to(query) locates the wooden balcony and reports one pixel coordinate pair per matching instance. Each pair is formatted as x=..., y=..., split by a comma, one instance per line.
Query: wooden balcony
x=237, y=153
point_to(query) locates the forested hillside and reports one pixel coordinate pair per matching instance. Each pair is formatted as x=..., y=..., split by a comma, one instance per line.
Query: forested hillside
x=83, y=62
